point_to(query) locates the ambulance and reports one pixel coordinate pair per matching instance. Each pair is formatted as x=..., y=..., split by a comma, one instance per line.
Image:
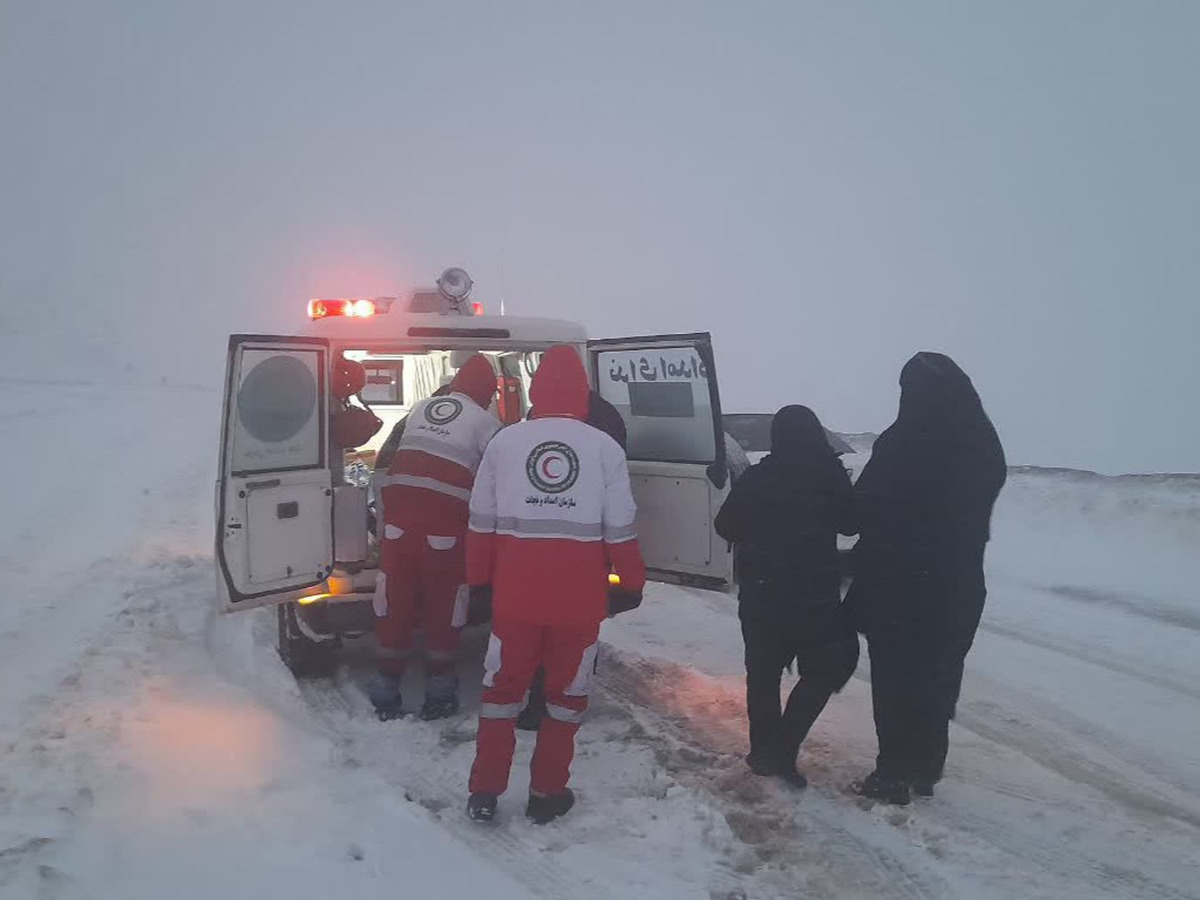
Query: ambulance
x=306, y=415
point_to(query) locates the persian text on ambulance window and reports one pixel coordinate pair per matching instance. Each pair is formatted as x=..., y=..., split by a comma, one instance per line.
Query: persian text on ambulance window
x=664, y=398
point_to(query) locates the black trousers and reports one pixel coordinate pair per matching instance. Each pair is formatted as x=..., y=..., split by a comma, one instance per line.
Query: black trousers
x=826, y=653
x=916, y=677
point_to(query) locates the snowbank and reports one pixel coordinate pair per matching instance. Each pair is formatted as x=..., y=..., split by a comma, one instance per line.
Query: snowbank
x=1119, y=540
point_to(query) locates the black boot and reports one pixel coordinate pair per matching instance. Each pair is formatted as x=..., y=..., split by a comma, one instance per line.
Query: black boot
x=441, y=697
x=482, y=807
x=883, y=790
x=435, y=708
x=777, y=765
x=791, y=776
x=384, y=692
x=761, y=763
x=544, y=808
x=922, y=788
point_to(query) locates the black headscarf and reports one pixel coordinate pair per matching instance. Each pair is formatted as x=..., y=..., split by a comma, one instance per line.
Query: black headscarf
x=935, y=473
x=798, y=437
x=796, y=432
x=939, y=402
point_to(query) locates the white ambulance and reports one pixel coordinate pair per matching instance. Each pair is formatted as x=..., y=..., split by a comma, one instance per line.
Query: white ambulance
x=293, y=508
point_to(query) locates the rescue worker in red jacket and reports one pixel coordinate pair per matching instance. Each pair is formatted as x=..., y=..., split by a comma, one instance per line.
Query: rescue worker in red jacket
x=423, y=548
x=551, y=515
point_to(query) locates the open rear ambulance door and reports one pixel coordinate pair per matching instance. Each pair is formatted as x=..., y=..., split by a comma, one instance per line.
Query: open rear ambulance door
x=665, y=388
x=274, y=534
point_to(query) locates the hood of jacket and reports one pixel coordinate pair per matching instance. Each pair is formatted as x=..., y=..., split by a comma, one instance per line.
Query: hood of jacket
x=477, y=380
x=560, y=386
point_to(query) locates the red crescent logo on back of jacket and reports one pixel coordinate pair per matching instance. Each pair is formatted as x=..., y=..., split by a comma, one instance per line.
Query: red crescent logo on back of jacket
x=553, y=467
x=443, y=411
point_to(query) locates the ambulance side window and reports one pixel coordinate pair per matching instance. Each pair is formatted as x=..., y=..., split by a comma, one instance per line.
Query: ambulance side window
x=664, y=398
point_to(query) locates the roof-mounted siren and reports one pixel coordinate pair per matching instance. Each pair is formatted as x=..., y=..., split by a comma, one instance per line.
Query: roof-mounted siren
x=455, y=285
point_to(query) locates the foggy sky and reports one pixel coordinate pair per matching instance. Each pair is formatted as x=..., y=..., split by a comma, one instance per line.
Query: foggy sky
x=826, y=187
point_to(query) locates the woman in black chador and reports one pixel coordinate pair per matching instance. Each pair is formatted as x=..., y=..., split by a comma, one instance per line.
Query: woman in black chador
x=784, y=515
x=925, y=505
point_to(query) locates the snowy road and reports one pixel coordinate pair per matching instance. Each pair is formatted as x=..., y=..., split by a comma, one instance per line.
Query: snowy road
x=149, y=748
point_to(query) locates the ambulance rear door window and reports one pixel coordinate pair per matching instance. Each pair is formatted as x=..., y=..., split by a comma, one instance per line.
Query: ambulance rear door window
x=665, y=399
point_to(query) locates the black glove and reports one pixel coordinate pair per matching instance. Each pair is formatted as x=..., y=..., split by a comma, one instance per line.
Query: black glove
x=620, y=600
x=479, y=607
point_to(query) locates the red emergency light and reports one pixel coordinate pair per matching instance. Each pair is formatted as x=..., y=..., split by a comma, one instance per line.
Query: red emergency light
x=349, y=308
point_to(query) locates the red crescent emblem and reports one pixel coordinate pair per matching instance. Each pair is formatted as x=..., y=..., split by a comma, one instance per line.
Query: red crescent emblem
x=546, y=467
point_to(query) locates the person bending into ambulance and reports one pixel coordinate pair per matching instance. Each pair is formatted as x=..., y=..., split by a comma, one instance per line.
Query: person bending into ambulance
x=422, y=576
x=551, y=515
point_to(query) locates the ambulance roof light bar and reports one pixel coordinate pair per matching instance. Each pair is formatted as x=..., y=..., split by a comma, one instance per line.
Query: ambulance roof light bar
x=453, y=290
x=351, y=308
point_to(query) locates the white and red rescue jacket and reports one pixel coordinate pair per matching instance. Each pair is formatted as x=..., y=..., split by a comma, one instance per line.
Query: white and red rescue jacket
x=428, y=484
x=552, y=512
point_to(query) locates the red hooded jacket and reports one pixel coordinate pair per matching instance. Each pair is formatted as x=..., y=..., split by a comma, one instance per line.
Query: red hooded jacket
x=552, y=512
x=428, y=484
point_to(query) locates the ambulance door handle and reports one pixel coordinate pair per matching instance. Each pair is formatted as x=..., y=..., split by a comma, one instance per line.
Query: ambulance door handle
x=263, y=485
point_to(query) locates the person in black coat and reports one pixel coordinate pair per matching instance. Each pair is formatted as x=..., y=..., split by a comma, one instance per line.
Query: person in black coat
x=925, y=506
x=606, y=417
x=783, y=517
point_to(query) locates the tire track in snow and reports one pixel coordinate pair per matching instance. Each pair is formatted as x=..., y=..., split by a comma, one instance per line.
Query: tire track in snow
x=1103, y=877
x=767, y=824
x=339, y=707
x=638, y=680
x=502, y=844
x=1074, y=766
x=1081, y=653
x=1063, y=761
x=1145, y=607
x=851, y=862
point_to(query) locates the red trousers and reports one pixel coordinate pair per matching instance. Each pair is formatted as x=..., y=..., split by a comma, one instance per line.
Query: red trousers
x=422, y=582
x=515, y=653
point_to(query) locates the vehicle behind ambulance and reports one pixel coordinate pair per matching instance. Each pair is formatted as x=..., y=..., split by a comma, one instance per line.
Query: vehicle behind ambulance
x=306, y=415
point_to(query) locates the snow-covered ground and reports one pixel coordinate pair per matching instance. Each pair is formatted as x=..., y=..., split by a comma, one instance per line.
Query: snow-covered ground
x=149, y=748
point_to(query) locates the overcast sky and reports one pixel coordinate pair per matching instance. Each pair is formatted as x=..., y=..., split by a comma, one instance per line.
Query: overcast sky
x=826, y=187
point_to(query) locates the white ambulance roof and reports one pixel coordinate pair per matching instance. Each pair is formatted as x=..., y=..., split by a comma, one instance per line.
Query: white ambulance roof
x=446, y=331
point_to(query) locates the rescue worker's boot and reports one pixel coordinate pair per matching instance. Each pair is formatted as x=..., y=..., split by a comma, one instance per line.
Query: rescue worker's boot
x=384, y=693
x=481, y=807
x=441, y=697
x=545, y=808
x=883, y=790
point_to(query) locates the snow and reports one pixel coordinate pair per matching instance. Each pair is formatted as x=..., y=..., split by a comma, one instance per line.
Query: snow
x=151, y=748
